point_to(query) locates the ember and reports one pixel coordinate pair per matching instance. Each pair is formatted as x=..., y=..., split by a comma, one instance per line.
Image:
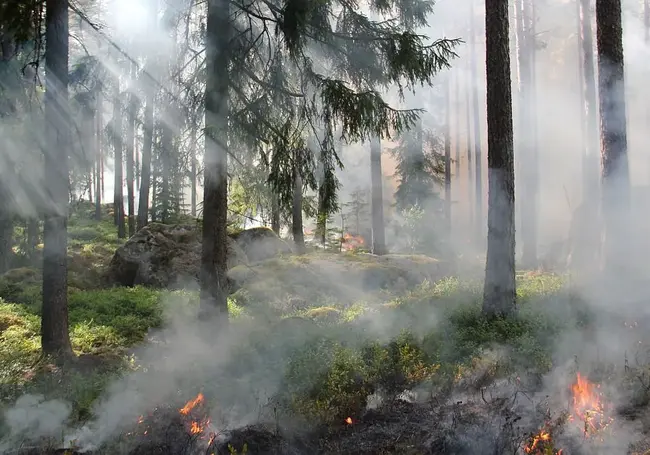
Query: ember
x=348, y=420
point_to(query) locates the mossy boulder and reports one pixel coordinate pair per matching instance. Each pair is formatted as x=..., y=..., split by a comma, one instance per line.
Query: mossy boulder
x=261, y=243
x=317, y=279
x=169, y=256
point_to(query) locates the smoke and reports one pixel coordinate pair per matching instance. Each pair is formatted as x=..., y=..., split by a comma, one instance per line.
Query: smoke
x=33, y=419
x=193, y=357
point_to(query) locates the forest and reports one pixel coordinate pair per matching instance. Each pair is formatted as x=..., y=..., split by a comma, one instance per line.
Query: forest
x=324, y=227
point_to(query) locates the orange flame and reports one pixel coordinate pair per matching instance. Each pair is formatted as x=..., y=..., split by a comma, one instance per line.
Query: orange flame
x=195, y=427
x=540, y=444
x=348, y=420
x=351, y=242
x=588, y=408
x=185, y=410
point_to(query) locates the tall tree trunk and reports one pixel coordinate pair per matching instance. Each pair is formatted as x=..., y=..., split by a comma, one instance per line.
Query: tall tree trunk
x=448, y=154
x=615, y=168
x=55, y=336
x=136, y=156
x=296, y=209
x=275, y=213
x=147, y=147
x=377, y=206
x=193, y=169
x=532, y=172
x=6, y=230
x=91, y=180
x=166, y=139
x=99, y=116
x=33, y=234
x=646, y=20
x=321, y=228
x=130, y=144
x=458, y=112
x=590, y=110
x=213, y=277
x=499, y=293
x=526, y=163
x=478, y=159
x=102, y=160
x=468, y=113
x=118, y=192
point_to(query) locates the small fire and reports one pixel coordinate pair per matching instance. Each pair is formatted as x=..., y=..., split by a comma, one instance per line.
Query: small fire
x=541, y=444
x=588, y=407
x=185, y=410
x=351, y=242
x=348, y=420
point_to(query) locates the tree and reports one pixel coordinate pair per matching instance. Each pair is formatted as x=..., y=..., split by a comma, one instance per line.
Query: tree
x=55, y=337
x=589, y=109
x=132, y=108
x=448, y=153
x=499, y=293
x=478, y=158
x=420, y=156
x=358, y=56
x=213, y=278
x=116, y=135
x=147, y=149
x=99, y=128
x=613, y=136
x=297, y=203
x=527, y=162
x=377, y=198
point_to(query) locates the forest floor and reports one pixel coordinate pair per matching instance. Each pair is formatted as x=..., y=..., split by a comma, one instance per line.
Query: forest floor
x=319, y=365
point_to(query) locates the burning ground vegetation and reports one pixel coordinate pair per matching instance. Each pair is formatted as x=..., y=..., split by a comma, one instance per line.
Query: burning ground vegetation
x=505, y=417
x=469, y=387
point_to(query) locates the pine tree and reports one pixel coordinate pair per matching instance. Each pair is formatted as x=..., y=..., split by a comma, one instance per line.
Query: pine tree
x=499, y=293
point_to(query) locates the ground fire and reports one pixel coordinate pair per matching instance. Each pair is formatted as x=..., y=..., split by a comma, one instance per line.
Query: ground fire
x=587, y=411
x=588, y=408
x=352, y=242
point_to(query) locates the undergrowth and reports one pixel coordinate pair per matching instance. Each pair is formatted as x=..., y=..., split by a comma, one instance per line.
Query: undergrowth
x=422, y=338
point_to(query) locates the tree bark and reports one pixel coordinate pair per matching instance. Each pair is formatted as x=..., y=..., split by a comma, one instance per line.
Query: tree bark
x=646, y=20
x=99, y=129
x=193, y=169
x=590, y=110
x=377, y=209
x=166, y=139
x=6, y=231
x=275, y=213
x=613, y=137
x=448, y=154
x=147, y=146
x=55, y=336
x=458, y=138
x=130, y=150
x=499, y=293
x=526, y=161
x=118, y=191
x=33, y=234
x=478, y=159
x=296, y=211
x=213, y=277
x=468, y=113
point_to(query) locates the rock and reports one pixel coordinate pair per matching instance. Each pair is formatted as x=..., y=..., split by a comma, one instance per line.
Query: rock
x=168, y=256
x=260, y=244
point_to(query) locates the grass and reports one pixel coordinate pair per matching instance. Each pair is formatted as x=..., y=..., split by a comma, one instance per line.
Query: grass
x=424, y=335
